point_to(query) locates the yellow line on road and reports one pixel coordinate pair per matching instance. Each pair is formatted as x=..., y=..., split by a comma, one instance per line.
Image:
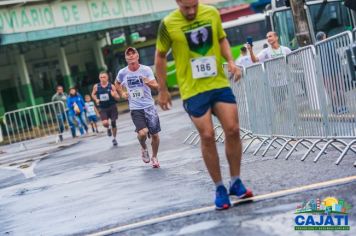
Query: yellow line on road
x=173, y=216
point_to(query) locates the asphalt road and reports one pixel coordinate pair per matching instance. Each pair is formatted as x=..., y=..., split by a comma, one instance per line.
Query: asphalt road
x=92, y=187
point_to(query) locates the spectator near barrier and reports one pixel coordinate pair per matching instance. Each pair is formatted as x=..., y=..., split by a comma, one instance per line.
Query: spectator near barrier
x=61, y=96
x=75, y=103
x=320, y=36
x=275, y=50
x=244, y=59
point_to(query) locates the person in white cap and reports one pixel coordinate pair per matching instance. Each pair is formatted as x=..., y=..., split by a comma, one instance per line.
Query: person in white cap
x=138, y=80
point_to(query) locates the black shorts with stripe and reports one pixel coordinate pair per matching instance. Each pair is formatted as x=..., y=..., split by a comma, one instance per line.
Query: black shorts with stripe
x=146, y=118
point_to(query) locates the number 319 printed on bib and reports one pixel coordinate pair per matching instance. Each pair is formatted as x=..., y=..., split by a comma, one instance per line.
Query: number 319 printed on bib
x=203, y=67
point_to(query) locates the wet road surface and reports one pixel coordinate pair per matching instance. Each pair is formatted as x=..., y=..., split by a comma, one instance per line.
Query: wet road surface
x=91, y=187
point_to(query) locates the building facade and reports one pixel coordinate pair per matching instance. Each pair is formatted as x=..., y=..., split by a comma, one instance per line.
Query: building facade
x=46, y=43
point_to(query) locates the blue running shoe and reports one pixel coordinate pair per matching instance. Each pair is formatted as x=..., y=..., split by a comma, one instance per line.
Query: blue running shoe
x=222, y=200
x=238, y=189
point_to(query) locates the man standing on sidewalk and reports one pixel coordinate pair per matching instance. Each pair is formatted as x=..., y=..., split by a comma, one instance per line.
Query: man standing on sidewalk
x=138, y=80
x=105, y=96
x=196, y=36
x=61, y=96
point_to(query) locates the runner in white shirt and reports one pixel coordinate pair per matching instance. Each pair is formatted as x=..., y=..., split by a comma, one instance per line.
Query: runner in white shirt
x=138, y=80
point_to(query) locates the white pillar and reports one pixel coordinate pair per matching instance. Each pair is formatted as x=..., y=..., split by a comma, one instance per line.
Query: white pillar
x=98, y=54
x=25, y=86
x=22, y=67
x=63, y=64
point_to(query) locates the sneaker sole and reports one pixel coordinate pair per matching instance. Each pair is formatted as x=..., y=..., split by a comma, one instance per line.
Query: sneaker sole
x=225, y=207
x=248, y=194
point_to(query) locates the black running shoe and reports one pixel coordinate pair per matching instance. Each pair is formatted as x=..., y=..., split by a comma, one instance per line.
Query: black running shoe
x=114, y=142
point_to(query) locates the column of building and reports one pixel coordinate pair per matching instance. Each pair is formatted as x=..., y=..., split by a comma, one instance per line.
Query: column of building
x=99, y=58
x=63, y=64
x=25, y=84
x=2, y=107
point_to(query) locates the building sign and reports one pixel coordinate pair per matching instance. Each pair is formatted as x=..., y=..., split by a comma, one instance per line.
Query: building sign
x=45, y=16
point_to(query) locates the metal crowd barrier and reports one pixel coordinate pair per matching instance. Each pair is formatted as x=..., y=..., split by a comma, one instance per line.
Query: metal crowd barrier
x=260, y=118
x=336, y=74
x=193, y=138
x=239, y=89
x=307, y=99
x=35, y=121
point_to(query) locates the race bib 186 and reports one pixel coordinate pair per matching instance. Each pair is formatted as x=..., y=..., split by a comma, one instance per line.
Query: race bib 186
x=203, y=67
x=136, y=93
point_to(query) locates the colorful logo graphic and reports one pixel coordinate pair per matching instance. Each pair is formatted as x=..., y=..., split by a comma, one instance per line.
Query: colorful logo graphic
x=328, y=214
x=199, y=37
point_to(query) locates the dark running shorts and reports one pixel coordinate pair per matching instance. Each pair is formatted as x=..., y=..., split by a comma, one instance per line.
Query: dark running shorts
x=109, y=113
x=146, y=118
x=199, y=104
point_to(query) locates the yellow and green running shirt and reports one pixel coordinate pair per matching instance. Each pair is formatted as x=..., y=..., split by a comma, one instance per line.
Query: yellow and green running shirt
x=196, y=49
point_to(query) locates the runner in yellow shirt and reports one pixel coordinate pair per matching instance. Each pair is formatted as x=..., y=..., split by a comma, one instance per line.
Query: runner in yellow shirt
x=194, y=33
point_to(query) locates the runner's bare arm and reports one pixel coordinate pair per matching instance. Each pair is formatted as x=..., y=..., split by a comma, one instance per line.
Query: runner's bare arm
x=226, y=53
x=151, y=83
x=93, y=95
x=164, y=98
x=120, y=90
x=114, y=93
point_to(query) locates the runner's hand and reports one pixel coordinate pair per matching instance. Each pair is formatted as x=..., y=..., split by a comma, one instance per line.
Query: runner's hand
x=97, y=101
x=234, y=70
x=114, y=93
x=164, y=100
x=146, y=80
x=248, y=46
x=125, y=95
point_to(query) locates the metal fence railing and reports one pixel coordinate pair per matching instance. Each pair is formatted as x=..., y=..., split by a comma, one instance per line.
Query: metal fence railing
x=193, y=137
x=260, y=118
x=241, y=98
x=307, y=99
x=35, y=121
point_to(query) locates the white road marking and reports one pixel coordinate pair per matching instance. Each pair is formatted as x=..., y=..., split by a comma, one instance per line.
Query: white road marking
x=174, y=216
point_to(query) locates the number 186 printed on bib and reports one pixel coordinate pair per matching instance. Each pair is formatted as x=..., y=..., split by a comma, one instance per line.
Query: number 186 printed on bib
x=203, y=67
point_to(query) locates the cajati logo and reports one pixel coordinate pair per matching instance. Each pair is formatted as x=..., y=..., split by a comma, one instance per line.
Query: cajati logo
x=328, y=214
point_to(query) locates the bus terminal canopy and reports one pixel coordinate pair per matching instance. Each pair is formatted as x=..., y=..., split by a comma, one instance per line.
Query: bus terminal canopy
x=29, y=20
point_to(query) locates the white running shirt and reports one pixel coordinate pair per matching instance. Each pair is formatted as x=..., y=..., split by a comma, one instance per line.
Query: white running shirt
x=139, y=93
